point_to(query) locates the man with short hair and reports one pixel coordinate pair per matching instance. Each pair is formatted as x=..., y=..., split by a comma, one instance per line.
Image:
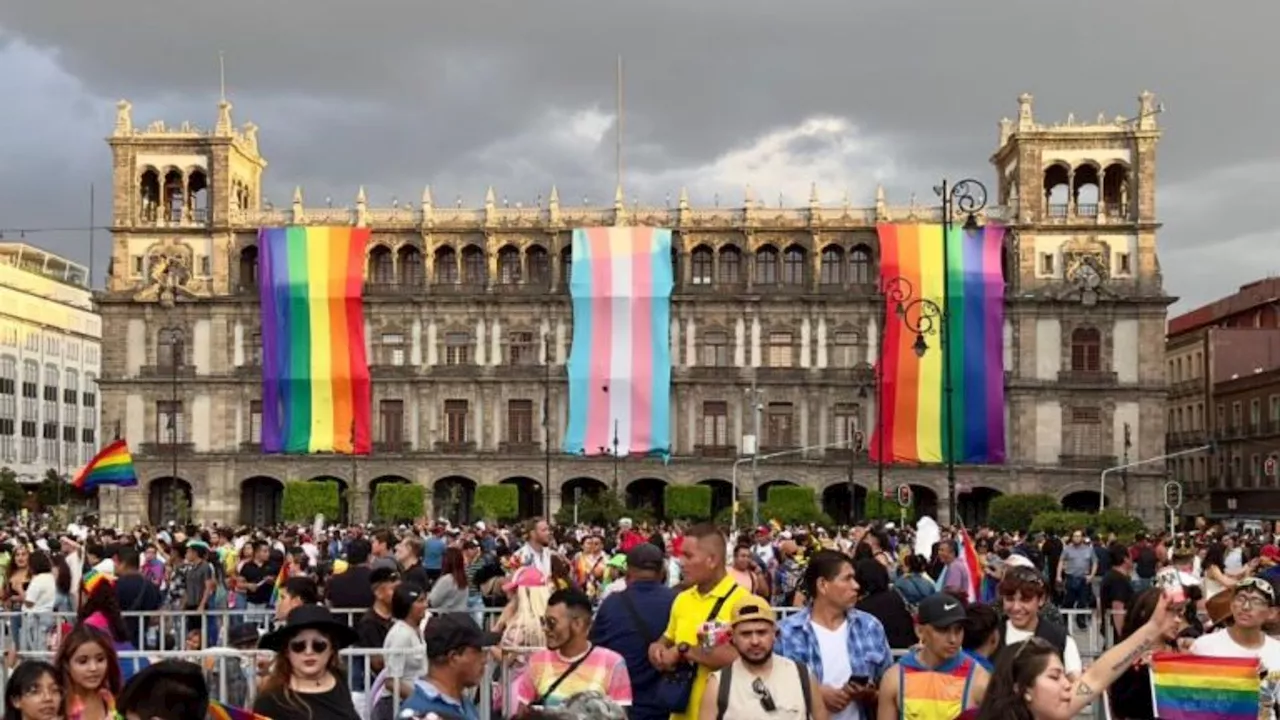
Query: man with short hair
x=536, y=552
x=455, y=664
x=935, y=680
x=759, y=683
x=409, y=557
x=373, y=626
x=433, y=554
x=382, y=543
x=351, y=588
x=1253, y=605
x=570, y=664
x=167, y=690
x=1076, y=570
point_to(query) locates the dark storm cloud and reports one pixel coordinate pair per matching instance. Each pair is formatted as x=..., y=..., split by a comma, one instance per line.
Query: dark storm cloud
x=395, y=94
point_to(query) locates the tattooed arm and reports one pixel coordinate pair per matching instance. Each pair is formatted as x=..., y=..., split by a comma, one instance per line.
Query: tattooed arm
x=1104, y=671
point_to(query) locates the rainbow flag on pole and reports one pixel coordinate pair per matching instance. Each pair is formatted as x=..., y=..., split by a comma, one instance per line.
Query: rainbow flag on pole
x=315, y=375
x=222, y=711
x=620, y=365
x=972, y=563
x=281, y=577
x=113, y=465
x=1195, y=687
x=913, y=406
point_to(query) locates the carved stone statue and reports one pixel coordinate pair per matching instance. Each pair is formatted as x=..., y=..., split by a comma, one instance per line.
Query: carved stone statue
x=170, y=275
x=124, y=117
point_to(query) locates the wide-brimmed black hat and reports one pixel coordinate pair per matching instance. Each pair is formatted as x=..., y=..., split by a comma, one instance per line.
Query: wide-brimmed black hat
x=309, y=617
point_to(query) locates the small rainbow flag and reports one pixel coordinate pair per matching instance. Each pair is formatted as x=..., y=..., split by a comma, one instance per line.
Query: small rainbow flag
x=222, y=711
x=972, y=563
x=93, y=579
x=281, y=577
x=914, y=409
x=315, y=375
x=113, y=465
x=1195, y=687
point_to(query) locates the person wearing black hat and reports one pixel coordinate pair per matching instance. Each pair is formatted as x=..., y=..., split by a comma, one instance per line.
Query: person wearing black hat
x=455, y=663
x=167, y=690
x=934, y=679
x=306, y=681
x=373, y=626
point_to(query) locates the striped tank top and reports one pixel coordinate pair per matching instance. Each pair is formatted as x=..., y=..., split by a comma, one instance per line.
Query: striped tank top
x=939, y=693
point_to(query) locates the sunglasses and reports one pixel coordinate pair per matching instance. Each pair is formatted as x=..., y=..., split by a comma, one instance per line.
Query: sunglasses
x=318, y=646
x=766, y=698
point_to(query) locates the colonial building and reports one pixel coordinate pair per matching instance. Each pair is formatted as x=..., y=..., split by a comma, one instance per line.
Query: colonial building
x=468, y=323
x=50, y=340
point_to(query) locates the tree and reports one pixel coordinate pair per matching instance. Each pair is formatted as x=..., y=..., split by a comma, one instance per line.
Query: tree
x=52, y=491
x=12, y=494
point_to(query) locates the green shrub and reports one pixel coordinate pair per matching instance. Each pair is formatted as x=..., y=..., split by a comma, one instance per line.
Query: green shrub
x=395, y=502
x=304, y=499
x=688, y=502
x=791, y=505
x=887, y=509
x=498, y=502
x=1014, y=513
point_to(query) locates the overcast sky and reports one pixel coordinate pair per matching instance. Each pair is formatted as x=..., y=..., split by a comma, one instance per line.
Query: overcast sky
x=719, y=93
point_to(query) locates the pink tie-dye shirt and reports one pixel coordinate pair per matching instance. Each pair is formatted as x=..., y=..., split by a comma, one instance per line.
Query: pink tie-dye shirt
x=604, y=671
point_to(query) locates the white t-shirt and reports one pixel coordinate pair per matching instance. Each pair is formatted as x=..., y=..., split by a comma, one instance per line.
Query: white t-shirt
x=1220, y=644
x=1071, y=661
x=765, y=553
x=836, y=667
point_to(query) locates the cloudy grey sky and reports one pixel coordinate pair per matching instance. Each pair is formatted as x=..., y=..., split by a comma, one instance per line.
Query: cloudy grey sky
x=462, y=94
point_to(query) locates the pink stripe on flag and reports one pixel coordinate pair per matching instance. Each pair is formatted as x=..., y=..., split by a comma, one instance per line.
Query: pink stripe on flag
x=642, y=337
x=598, y=432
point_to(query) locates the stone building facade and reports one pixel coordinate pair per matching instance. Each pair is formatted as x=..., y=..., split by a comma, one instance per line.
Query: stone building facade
x=468, y=323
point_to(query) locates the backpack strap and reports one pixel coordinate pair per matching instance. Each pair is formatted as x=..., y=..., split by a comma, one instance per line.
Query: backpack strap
x=805, y=690
x=722, y=692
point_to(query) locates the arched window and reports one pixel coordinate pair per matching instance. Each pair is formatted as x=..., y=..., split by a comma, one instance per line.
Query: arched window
x=411, y=270
x=539, y=265
x=766, y=266
x=249, y=268
x=382, y=269
x=474, y=271
x=793, y=262
x=446, y=266
x=1086, y=350
x=730, y=265
x=701, y=265
x=860, y=270
x=832, y=265
x=509, y=265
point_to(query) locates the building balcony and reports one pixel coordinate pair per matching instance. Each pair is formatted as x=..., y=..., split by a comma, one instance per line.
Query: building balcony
x=401, y=445
x=529, y=371
x=782, y=375
x=708, y=372
x=391, y=372
x=507, y=447
x=533, y=287
x=1186, y=438
x=165, y=449
x=468, y=370
x=1095, y=378
x=166, y=372
x=393, y=289
x=716, y=451
x=456, y=288
x=1256, y=502
x=455, y=448
x=1088, y=462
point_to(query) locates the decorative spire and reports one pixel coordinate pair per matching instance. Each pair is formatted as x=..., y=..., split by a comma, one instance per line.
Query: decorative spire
x=361, y=198
x=813, y=195
x=426, y=197
x=684, y=198
x=124, y=118
x=618, y=198
x=553, y=205
x=223, y=128
x=748, y=197
x=1026, y=113
x=362, y=211
x=882, y=210
x=297, y=195
x=489, y=201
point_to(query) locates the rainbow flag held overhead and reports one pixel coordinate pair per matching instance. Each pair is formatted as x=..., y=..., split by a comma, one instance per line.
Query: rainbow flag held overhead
x=222, y=711
x=912, y=404
x=315, y=375
x=113, y=465
x=620, y=364
x=1195, y=687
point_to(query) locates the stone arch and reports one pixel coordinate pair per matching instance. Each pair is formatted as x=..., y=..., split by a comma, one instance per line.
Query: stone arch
x=925, y=500
x=844, y=502
x=573, y=489
x=475, y=266
x=410, y=269
x=862, y=265
x=795, y=265
x=721, y=494
x=381, y=265
x=538, y=265
x=1056, y=187
x=1083, y=496
x=247, y=268
x=973, y=505
x=260, y=500
x=373, y=491
x=702, y=264
x=509, y=272
x=531, y=496
x=444, y=265
x=1086, y=187
x=452, y=498
x=762, y=492
x=768, y=262
x=169, y=499
x=566, y=265
x=1115, y=186
x=650, y=492
x=729, y=264
x=344, y=505
x=832, y=264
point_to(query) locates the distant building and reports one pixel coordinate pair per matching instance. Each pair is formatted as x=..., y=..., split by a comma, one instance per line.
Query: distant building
x=469, y=325
x=1213, y=354
x=50, y=344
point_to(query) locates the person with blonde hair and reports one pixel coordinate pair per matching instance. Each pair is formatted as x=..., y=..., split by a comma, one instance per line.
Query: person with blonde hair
x=521, y=622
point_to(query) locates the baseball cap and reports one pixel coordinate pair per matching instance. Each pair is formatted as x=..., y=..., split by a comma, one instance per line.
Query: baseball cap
x=383, y=575
x=645, y=556
x=1257, y=585
x=940, y=610
x=752, y=607
x=448, y=632
x=1271, y=552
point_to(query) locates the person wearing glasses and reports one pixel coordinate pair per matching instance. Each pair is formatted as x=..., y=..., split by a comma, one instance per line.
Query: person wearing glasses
x=1022, y=597
x=306, y=680
x=1253, y=605
x=760, y=683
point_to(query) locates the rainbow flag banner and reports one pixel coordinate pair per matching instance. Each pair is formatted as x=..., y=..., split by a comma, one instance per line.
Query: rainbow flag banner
x=620, y=365
x=281, y=577
x=113, y=465
x=912, y=403
x=222, y=711
x=315, y=376
x=1195, y=687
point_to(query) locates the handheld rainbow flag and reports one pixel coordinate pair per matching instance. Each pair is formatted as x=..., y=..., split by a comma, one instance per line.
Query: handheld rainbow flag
x=1195, y=687
x=281, y=577
x=972, y=563
x=315, y=374
x=620, y=364
x=113, y=465
x=222, y=711
x=913, y=411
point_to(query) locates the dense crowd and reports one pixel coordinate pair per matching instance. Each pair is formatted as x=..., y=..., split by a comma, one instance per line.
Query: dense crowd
x=647, y=622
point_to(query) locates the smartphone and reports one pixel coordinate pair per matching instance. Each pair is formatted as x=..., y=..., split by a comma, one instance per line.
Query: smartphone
x=862, y=680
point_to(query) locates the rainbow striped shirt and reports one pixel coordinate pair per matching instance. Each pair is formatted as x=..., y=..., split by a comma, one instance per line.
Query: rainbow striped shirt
x=604, y=671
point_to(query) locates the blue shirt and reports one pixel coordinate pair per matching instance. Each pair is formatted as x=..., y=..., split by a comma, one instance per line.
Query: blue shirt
x=869, y=653
x=433, y=553
x=614, y=628
x=427, y=698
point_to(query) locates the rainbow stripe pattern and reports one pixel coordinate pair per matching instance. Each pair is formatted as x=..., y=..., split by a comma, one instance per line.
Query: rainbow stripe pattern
x=1195, y=687
x=281, y=577
x=315, y=375
x=222, y=711
x=620, y=364
x=912, y=403
x=113, y=465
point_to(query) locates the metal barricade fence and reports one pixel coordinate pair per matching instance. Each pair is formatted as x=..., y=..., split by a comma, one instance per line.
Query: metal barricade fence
x=169, y=627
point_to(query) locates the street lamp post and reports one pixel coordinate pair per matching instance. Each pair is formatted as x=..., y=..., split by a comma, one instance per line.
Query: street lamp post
x=754, y=396
x=546, y=423
x=173, y=337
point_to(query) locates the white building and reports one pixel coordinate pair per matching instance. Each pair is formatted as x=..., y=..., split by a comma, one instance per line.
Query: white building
x=50, y=350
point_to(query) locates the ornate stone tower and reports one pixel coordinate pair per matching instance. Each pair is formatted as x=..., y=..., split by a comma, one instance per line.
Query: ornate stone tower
x=1088, y=298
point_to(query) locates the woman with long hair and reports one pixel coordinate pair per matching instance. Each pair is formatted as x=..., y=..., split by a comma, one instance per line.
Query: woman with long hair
x=37, y=603
x=100, y=609
x=1130, y=695
x=1031, y=683
x=62, y=576
x=33, y=692
x=90, y=672
x=876, y=598
x=14, y=592
x=449, y=594
x=306, y=680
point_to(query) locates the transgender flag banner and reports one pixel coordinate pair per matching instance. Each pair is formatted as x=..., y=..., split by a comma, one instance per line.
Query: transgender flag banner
x=620, y=363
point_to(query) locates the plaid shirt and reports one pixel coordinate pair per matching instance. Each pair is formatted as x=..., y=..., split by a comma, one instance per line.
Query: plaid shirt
x=868, y=647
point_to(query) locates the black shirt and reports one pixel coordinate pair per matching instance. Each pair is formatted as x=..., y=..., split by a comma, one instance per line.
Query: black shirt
x=416, y=574
x=350, y=590
x=1116, y=587
x=252, y=573
x=333, y=704
x=136, y=594
x=372, y=629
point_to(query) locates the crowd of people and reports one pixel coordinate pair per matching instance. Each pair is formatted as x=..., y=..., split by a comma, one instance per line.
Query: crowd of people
x=459, y=621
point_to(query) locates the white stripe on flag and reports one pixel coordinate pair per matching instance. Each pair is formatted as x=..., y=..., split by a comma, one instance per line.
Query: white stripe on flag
x=620, y=242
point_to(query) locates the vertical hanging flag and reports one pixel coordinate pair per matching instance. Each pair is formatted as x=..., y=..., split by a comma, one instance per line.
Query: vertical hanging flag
x=913, y=404
x=620, y=364
x=315, y=376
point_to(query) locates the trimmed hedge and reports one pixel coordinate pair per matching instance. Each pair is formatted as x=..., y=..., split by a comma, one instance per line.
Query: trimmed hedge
x=792, y=505
x=498, y=502
x=688, y=502
x=394, y=502
x=887, y=509
x=304, y=499
x=1015, y=513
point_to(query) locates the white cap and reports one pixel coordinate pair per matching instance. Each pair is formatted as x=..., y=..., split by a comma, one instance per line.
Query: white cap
x=624, y=522
x=480, y=525
x=43, y=545
x=889, y=526
x=1016, y=560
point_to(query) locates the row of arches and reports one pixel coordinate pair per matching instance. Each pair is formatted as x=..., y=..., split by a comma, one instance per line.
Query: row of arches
x=173, y=195
x=1086, y=189
x=453, y=498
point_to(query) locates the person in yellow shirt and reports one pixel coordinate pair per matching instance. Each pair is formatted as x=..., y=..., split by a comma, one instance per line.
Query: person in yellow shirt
x=697, y=632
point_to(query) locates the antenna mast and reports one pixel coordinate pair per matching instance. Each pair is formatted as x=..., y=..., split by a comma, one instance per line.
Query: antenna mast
x=222, y=77
x=619, y=127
